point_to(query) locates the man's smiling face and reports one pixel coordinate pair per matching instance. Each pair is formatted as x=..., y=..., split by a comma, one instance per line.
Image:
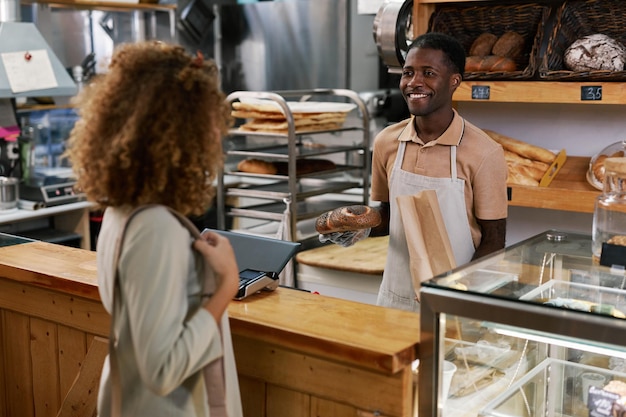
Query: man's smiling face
x=427, y=81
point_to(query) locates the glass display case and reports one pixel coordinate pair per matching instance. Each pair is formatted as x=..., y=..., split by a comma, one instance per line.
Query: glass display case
x=536, y=329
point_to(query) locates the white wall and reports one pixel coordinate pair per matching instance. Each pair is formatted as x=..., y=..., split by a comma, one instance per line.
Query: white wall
x=580, y=129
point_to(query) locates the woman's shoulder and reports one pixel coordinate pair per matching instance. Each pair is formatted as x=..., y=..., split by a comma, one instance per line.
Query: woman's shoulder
x=147, y=223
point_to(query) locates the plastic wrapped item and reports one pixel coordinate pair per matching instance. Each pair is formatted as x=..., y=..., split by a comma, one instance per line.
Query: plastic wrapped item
x=345, y=239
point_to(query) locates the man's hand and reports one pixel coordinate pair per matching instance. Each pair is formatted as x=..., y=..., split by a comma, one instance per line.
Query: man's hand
x=345, y=239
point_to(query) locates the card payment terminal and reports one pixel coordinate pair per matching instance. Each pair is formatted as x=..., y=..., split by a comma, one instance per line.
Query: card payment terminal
x=260, y=260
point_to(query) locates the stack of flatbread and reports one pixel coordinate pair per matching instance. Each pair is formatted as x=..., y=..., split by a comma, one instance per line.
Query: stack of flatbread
x=267, y=115
x=527, y=163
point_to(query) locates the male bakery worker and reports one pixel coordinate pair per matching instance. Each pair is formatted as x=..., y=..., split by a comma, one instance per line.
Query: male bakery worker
x=435, y=149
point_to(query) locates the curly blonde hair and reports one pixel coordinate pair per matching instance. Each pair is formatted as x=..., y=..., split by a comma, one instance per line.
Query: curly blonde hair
x=150, y=130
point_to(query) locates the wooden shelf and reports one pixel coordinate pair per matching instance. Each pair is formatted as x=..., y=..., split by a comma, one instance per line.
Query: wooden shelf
x=543, y=92
x=569, y=191
x=540, y=91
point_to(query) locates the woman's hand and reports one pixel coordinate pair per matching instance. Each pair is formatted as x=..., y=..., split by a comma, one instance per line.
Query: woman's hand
x=219, y=254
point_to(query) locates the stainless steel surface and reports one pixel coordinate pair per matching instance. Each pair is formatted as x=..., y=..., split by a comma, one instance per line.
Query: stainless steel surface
x=9, y=193
x=9, y=11
x=306, y=187
x=273, y=45
x=392, y=33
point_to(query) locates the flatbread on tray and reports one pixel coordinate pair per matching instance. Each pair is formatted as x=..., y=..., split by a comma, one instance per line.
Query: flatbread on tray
x=251, y=114
x=279, y=126
x=267, y=116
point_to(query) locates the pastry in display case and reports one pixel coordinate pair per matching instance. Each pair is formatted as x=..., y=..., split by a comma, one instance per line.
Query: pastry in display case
x=595, y=173
x=536, y=329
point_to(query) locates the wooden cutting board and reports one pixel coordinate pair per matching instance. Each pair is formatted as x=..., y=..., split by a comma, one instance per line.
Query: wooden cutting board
x=367, y=256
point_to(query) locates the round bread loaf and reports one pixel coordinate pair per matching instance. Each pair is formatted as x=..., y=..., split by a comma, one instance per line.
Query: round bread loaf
x=509, y=45
x=348, y=218
x=595, y=52
x=482, y=44
x=489, y=63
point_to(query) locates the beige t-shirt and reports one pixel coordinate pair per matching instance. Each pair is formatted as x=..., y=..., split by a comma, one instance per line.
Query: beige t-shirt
x=480, y=163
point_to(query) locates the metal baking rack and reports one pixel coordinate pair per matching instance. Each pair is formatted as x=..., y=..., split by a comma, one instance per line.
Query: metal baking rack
x=308, y=193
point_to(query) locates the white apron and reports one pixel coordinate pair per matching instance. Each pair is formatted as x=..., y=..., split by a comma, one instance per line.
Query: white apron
x=396, y=289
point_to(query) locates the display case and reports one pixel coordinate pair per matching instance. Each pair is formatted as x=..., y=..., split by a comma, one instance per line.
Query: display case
x=536, y=329
x=290, y=196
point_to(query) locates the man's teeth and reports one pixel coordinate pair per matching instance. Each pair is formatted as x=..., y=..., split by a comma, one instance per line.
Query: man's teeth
x=415, y=95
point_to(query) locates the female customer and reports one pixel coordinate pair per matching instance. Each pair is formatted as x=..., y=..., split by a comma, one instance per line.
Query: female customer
x=149, y=136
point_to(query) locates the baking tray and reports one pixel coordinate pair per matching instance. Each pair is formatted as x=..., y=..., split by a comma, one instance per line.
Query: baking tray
x=276, y=211
x=281, y=152
x=306, y=187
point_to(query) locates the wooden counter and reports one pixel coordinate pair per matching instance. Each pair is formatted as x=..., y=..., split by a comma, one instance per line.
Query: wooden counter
x=297, y=353
x=367, y=256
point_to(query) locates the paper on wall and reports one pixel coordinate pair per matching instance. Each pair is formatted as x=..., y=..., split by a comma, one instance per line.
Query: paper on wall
x=29, y=70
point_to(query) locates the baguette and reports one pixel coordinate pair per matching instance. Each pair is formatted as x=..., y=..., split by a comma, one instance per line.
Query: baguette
x=527, y=150
x=526, y=170
x=515, y=177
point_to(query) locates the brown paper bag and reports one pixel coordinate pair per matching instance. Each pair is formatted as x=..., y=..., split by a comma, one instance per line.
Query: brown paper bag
x=430, y=251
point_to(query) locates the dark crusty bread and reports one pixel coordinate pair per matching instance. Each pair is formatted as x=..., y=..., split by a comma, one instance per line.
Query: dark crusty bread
x=305, y=166
x=482, y=44
x=509, y=45
x=595, y=52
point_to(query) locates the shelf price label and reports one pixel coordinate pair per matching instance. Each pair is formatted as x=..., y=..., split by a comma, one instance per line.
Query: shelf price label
x=480, y=92
x=591, y=93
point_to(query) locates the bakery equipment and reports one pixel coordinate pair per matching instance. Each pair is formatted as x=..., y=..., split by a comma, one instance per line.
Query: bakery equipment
x=46, y=175
x=393, y=32
x=21, y=44
x=260, y=260
x=51, y=186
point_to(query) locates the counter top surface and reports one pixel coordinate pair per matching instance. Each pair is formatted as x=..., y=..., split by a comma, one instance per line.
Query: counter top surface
x=367, y=256
x=361, y=334
x=15, y=215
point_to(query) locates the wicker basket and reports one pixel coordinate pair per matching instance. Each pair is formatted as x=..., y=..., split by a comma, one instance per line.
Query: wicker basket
x=467, y=23
x=576, y=19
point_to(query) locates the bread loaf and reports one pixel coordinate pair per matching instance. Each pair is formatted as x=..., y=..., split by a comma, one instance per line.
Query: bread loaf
x=518, y=159
x=518, y=178
x=489, y=63
x=348, y=218
x=597, y=168
x=305, y=166
x=482, y=44
x=527, y=150
x=526, y=170
x=595, y=52
x=509, y=45
x=256, y=166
